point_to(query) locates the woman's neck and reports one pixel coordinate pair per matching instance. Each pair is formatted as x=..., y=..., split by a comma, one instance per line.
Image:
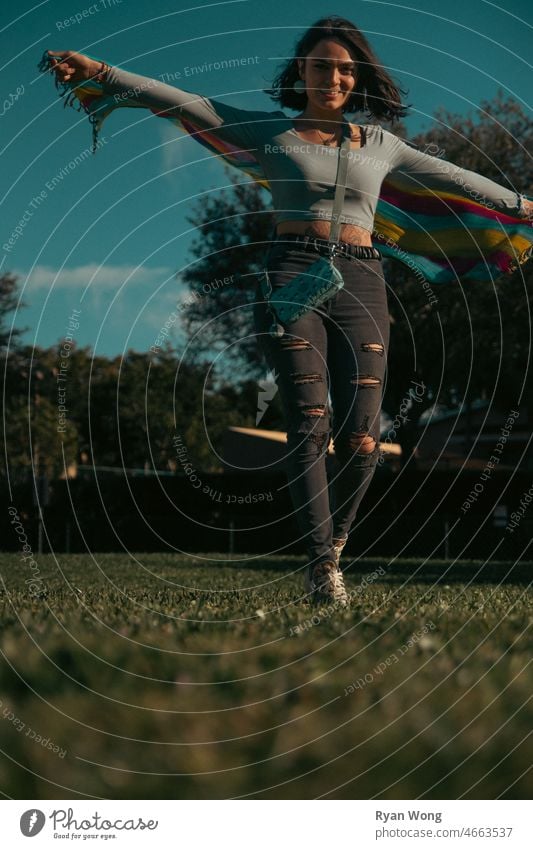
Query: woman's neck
x=325, y=121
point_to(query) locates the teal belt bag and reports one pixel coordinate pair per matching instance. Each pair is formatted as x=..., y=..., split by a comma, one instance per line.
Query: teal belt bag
x=321, y=280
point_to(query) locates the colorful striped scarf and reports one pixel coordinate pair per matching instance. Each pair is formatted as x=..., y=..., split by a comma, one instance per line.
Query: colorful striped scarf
x=440, y=235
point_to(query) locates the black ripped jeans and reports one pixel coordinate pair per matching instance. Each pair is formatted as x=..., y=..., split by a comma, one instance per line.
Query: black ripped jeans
x=339, y=352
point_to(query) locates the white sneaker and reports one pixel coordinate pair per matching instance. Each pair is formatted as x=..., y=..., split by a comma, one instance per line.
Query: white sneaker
x=324, y=583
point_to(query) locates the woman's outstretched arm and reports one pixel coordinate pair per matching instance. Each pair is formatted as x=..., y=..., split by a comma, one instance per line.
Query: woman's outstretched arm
x=421, y=171
x=232, y=124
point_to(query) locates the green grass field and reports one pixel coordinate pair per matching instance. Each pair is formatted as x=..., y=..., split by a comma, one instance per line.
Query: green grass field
x=160, y=676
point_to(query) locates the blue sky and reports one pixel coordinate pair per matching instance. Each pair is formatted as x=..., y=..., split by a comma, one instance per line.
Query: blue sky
x=111, y=236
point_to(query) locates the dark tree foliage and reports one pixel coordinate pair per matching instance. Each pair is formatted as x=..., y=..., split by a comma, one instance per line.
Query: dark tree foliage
x=234, y=230
x=9, y=302
x=122, y=412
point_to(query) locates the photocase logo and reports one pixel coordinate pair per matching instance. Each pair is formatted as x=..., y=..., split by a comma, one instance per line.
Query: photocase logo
x=31, y=822
x=267, y=389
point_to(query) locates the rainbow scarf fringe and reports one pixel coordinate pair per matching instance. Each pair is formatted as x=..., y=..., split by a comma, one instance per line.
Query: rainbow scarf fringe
x=438, y=234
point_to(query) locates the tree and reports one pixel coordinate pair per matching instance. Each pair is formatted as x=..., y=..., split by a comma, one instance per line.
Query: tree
x=9, y=302
x=121, y=412
x=234, y=229
x=39, y=438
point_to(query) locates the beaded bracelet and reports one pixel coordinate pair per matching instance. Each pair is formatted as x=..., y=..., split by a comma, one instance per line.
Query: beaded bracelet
x=101, y=73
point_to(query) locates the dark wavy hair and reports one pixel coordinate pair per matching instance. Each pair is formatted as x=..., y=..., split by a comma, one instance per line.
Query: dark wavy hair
x=383, y=96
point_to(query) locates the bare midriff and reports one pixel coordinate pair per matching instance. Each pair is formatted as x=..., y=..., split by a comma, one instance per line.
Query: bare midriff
x=320, y=227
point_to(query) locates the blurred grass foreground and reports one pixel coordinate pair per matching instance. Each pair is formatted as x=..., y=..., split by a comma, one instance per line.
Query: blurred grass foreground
x=161, y=676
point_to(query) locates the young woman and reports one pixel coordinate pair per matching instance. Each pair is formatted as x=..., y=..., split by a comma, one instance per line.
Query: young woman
x=338, y=351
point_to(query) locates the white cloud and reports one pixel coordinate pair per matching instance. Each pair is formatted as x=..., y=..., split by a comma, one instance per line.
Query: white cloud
x=101, y=276
x=173, y=149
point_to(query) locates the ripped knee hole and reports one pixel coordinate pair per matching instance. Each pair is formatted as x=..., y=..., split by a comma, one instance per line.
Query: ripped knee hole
x=362, y=443
x=299, y=377
x=295, y=344
x=316, y=410
x=366, y=380
x=374, y=347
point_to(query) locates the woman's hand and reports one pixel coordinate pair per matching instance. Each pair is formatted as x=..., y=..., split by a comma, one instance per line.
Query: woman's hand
x=73, y=67
x=527, y=209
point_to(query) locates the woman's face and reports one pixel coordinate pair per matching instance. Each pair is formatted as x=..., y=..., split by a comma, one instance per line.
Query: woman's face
x=330, y=75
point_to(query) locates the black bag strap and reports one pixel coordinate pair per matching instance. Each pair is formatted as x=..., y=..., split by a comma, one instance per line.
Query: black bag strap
x=340, y=185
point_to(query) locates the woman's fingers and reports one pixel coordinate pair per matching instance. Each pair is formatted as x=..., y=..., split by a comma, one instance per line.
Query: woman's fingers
x=64, y=56
x=57, y=64
x=68, y=65
x=61, y=71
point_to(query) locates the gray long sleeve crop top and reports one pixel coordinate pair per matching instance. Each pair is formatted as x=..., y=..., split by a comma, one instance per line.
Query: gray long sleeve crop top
x=302, y=174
